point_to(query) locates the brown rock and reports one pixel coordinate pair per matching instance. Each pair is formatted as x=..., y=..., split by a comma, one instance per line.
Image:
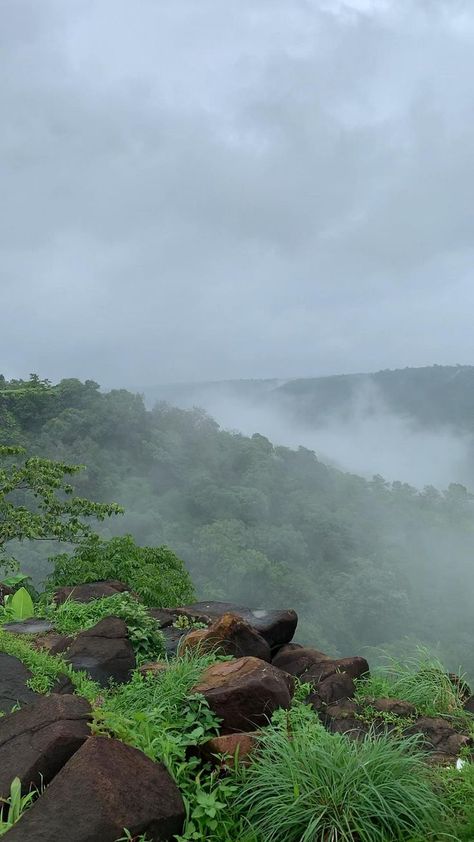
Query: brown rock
x=153, y=667
x=228, y=635
x=245, y=692
x=105, y=787
x=355, y=667
x=89, y=591
x=439, y=736
x=334, y=689
x=397, y=707
x=275, y=626
x=229, y=748
x=52, y=642
x=14, y=677
x=38, y=740
x=297, y=659
x=104, y=651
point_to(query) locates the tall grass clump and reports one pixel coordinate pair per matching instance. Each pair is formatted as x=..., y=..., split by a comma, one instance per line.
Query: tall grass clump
x=421, y=679
x=308, y=785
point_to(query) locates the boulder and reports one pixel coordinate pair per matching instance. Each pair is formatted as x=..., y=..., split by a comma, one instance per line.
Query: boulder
x=335, y=688
x=104, y=652
x=173, y=639
x=354, y=667
x=229, y=748
x=440, y=737
x=297, y=659
x=13, y=683
x=105, y=787
x=36, y=741
x=31, y=626
x=275, y=626
x=396, y=707
x=245, y=692
x=228, y=635
x=164, y=616
x=89, y=591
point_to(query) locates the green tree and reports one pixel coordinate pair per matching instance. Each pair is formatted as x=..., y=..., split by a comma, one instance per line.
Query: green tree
x=38, y=504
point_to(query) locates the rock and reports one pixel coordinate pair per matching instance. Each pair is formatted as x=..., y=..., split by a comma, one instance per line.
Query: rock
x=63, y=686
x=13, y=683
x=104, y=651
x=153, y=667
x=354, y=667
x=297, y=659
x=164, y=616
x=333, y=689
x=36, y=741
x=275, y=626
x=89, y=591
x=105, y=787
x=31, y=626
x=245, y=692
x=440, y=737
x=397, y=707
x=228, y=635
x=469, y=705
x=230, y=747
x=52, y=642
x=172, y=638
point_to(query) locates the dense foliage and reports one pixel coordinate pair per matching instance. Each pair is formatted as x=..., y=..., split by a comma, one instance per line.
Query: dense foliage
x=365, y=563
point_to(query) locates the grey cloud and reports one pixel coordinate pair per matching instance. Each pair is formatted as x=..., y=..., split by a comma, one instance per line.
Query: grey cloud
x=199, y=191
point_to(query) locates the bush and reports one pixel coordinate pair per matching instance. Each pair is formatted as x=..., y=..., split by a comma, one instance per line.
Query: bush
x=307, y=784
x=72, y=617
x=156, y=574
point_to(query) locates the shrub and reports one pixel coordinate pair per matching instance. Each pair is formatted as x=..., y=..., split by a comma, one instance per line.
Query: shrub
x=307, y=784
x=145, y=637
x=156, y=574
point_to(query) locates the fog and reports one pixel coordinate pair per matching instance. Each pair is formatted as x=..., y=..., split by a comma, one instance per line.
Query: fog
x=366, y=439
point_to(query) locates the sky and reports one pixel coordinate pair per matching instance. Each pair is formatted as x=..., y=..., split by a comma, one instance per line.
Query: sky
x=201, y=190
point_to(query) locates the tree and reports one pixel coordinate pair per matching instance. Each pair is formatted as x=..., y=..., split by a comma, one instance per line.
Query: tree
x=37, y=503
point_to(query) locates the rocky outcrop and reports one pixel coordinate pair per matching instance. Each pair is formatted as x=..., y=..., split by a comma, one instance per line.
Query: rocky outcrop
x=89, y=591
x=244, y=693
x=105, y=787
x=14, y=677
x=36, y=741
x=228, y=635
x=277, y=627
x=104, y=652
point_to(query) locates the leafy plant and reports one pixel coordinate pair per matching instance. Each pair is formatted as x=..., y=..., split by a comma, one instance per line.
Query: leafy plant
x=187, y=623
x=156, y=574
x=19, y=605
x=307, y=784
x=16, y=804
x=71, y=617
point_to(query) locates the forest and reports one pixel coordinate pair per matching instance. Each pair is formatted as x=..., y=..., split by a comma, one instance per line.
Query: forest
x=369, y=565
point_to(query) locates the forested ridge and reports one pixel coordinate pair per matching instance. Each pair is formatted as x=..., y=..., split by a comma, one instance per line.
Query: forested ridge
x=365, y=563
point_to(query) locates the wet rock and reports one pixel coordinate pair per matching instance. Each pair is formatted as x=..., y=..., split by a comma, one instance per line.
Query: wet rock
x=31, y=626
x=333, y=689
x=355, y=667
x=89, y=591
x=13, y=683
x=104, y=652
x=36, y=741
x=275, y=626
x=297, y=659
x=105, y=787
x=245, y=692
x=228, y=635
x=164, y=616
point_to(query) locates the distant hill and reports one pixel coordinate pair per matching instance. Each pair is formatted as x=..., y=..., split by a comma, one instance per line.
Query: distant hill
x=432, y=397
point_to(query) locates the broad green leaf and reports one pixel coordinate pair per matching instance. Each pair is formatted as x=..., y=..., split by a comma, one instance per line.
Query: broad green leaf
x=21, y=605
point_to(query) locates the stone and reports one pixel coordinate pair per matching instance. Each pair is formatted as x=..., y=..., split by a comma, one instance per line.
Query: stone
x=36, y=741
x=105, y=787
x=164, y=616
x=275, y=626
x=397, y=707
x=31, y=626
x=153, y=667
x=104, y=652
x=89, y=591
x=13, y=683
x=228, y=748
x=172, y=638
x=52, y=642
x=297, y=659
x=334, y=689
x=440, y=737
x=355, y=667
x=245, y=692
x=228, y=635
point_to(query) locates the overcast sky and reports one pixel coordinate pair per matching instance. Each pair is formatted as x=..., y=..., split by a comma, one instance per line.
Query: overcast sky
x=207, y=189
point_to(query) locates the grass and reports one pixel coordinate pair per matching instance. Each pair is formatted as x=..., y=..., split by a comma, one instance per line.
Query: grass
x=72, y=617
x=14, y=806
x=46, y=669
x=307, y=785
x=420, y=679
